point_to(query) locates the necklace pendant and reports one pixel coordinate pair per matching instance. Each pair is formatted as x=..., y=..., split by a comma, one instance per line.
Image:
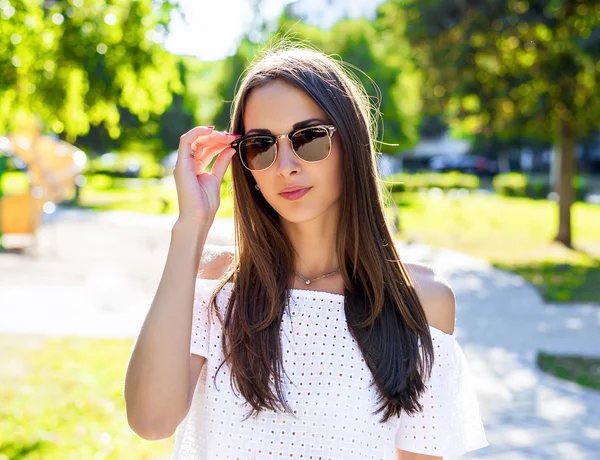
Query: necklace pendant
x=307, y=281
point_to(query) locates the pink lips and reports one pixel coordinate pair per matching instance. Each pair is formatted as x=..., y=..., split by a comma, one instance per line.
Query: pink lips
x=296, y=194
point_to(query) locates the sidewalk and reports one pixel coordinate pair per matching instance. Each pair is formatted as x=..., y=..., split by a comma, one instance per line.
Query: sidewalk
x=501, y=325
x=96, y=275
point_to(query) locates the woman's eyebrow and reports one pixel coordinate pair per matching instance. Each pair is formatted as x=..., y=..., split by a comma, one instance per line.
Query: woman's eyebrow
x=300, y=124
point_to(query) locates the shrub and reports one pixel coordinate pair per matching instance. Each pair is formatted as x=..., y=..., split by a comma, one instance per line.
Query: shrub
x=402, y=182
x=518, y=184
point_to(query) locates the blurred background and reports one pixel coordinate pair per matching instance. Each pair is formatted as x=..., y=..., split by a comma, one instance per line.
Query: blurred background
x=489, y=130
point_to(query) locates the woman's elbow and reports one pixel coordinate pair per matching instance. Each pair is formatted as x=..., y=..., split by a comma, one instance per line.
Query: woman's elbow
x=405, y=455
x=150, y=431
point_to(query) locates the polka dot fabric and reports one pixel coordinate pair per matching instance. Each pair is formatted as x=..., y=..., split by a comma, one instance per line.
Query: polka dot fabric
x=328, y=388
x=450, y=422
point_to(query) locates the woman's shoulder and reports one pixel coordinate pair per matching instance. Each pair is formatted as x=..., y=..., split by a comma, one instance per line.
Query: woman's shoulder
x=436, y=296
x=215, y=261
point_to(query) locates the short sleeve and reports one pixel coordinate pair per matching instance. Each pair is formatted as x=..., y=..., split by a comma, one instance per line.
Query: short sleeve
x=450, y=421
x=202, y=321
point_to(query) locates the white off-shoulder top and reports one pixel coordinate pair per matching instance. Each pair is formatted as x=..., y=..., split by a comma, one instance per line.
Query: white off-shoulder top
x=328, y=387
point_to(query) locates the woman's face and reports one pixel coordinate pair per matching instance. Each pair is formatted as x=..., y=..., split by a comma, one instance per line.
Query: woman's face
x=276, y=107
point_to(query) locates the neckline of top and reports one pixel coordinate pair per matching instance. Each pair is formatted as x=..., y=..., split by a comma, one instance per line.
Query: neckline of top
x=323, y=293
x=297, y=290
x=341, y=296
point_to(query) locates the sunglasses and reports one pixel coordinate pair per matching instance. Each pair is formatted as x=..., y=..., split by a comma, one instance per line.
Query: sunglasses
x=259, y=151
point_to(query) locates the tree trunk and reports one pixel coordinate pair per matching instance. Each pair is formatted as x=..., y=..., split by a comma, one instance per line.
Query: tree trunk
x=566, y=170
x=555, y=168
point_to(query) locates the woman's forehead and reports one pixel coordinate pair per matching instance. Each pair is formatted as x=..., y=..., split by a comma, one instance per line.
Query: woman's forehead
x=277, y=106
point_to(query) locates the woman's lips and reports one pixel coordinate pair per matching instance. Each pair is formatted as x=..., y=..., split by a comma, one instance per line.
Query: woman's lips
x=296, y=194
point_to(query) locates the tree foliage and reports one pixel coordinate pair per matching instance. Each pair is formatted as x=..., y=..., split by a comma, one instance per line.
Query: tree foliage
x=387, y=71
x=516, y=67
x=512, y=66
x=233, y=68
x=77, y=64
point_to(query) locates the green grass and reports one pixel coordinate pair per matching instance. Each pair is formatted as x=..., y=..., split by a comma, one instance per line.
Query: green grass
x=103, y=194
x=62, y=399
x=514, y=234
x=584, y=371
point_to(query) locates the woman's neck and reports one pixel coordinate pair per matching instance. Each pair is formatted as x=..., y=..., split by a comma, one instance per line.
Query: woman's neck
x=314, y=243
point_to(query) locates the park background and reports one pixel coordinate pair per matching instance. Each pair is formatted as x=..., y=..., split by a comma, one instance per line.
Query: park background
x=490, y=151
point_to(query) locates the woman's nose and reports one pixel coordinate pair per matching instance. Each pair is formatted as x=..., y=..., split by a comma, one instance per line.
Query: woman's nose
x=287, y=161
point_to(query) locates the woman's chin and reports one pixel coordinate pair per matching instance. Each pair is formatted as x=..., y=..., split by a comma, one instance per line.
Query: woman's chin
x=302, y=214
x=298, y=215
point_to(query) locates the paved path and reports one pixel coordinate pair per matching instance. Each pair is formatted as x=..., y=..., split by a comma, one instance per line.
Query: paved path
x=96, y=275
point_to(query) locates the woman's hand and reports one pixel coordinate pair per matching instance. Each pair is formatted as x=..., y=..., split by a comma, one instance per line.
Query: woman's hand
x=199, y=191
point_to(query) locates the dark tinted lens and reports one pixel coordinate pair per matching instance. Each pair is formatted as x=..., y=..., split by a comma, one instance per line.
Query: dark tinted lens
x=312, y=144
x=257, y=152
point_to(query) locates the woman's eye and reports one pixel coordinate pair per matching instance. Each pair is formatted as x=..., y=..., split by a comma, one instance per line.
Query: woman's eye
x=309, y=134
x=257, y=142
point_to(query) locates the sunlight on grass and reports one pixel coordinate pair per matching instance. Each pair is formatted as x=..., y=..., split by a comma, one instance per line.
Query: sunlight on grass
x=63, y=398
x=514, y=234
x=146, y=198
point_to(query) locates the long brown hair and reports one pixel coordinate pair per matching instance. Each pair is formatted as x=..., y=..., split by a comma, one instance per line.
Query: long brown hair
x=382, y=309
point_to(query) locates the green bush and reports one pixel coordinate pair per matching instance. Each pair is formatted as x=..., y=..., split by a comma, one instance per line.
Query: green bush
x=98, y=181
x=403, y=182
x=149, y=168
x=152, y=171
x=521, y=185
x=510, y=184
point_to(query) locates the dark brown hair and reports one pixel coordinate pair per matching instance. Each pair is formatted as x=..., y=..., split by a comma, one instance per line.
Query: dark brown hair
x=382, y=309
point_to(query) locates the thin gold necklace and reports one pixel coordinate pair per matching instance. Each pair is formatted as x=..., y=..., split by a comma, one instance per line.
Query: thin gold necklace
x=308, y=281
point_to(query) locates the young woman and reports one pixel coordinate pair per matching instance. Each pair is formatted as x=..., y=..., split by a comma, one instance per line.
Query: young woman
x=312, y=339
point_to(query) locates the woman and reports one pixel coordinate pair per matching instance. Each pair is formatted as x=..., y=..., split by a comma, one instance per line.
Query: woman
x=318, y=341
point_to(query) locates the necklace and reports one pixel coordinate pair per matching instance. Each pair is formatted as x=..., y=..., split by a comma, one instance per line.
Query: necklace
x=308, y=281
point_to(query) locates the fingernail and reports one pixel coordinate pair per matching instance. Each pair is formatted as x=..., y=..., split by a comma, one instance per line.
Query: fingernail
x=210, y=127
x=237, y=136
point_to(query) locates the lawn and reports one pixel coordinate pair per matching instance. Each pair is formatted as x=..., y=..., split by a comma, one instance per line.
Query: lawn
x=514, y=234
x=139, y=195
x=583, y=370
x=63, y=399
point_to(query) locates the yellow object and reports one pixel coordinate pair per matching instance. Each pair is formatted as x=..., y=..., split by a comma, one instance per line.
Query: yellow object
x=52, y=170
x=20, y=214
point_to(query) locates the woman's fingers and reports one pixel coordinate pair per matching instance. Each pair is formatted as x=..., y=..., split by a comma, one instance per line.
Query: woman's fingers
x=186, y=140
x=220, y=165
x=204, y=156
x=212, y=138
x=200, y=145
x=207, y=147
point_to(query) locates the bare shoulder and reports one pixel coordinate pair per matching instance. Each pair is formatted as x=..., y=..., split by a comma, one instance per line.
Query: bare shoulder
x=436, y=296
x=215, y=261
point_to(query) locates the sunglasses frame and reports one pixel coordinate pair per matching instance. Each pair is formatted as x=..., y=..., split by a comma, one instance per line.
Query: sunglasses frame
x=236, y=144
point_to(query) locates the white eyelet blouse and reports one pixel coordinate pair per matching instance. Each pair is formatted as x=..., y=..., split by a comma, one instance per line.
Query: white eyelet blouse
x=327, y=386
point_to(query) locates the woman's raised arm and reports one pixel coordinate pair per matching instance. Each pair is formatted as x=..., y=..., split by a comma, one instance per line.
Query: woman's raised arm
x=161, y=374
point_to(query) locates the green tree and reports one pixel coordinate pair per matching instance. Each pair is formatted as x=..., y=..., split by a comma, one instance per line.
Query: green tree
x=160, y=133
x=77, y=64
x=233, y=67
x=513, y=68
x=389, y=75
x=388, y=72
x=178, y=119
